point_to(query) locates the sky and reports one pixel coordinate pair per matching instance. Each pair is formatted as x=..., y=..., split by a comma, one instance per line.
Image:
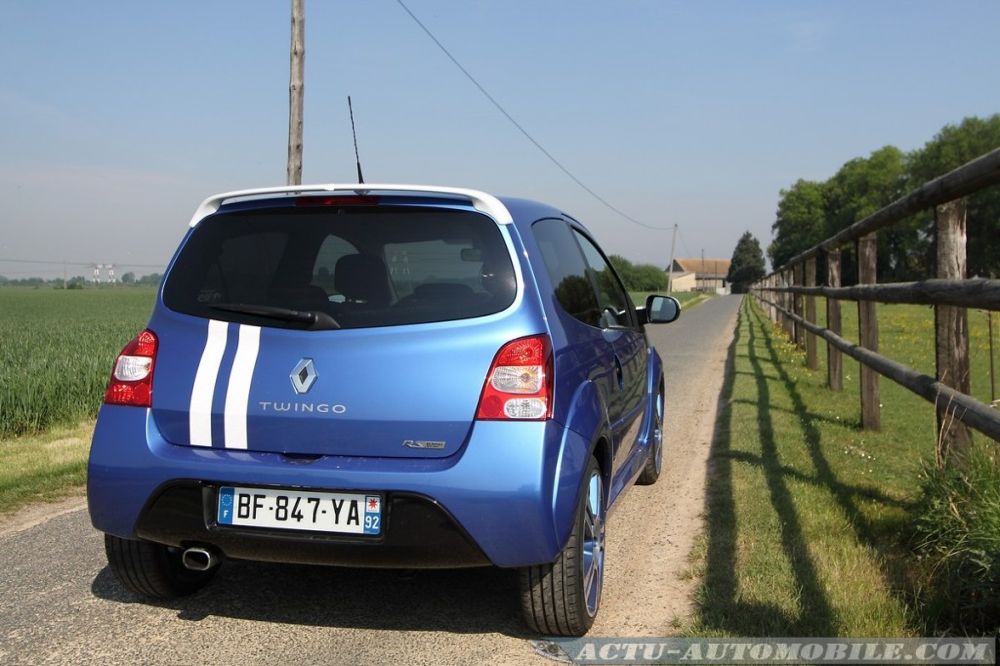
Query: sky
x=118, y=118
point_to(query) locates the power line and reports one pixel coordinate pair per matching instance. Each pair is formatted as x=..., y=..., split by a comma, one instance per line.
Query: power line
x=687, y=250
x=523, y=131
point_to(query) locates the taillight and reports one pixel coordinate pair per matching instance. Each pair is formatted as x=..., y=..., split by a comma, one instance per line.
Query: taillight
x=519, y=383
x=132, y=378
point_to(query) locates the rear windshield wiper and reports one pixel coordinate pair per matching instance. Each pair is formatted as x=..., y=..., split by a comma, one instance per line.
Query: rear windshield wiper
x=312, y=319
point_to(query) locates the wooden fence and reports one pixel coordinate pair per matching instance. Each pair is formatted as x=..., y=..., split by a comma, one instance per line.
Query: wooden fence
x=788, y=295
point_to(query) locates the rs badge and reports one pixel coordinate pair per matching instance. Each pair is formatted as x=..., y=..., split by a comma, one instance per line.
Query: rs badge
x=422, y=444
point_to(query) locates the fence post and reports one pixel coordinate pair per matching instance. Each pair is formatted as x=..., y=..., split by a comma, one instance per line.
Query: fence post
x=800, y=331
x=834, y=360
x=868, y=333
x=764, y=293
x=787, y=302
x=779, y=298
x=811, y=360
x=951, y=330
x=774, y=299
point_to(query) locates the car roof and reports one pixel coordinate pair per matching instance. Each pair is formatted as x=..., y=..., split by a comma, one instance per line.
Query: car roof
x=505, y=210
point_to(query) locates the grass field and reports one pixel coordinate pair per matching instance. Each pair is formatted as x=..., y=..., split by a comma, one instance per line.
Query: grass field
x=56, y=351
x=808, y=516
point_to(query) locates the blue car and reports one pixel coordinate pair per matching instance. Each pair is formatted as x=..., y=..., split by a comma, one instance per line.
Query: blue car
x=381, y=376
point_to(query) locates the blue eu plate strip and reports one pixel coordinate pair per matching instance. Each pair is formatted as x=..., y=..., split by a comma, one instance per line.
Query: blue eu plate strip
x=225, y=506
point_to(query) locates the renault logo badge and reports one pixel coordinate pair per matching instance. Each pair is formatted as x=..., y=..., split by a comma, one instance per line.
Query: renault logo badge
x=303, y=376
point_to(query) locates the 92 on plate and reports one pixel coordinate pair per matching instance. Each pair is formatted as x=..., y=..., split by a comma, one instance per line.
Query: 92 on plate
x=339, y=513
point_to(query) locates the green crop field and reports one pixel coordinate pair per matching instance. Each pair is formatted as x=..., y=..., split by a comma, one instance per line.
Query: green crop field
x=56, y=351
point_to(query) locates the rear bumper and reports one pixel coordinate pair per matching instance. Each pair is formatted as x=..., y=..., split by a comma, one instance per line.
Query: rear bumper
x=418, y=533
x=507, y=498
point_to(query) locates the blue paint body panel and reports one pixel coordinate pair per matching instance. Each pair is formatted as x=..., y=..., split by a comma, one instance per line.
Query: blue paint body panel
x=512, y=487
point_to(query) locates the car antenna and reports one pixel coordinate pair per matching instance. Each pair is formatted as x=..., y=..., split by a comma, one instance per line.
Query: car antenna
x=361, y=179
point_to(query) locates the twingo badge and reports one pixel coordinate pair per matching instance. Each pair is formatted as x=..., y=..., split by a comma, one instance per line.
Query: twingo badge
x=422, y=444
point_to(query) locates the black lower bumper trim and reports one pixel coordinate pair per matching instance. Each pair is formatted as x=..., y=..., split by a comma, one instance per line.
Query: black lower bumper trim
x=417, y=534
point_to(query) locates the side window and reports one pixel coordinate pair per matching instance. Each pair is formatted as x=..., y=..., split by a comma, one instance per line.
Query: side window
x=567, y=270
x=616, y=309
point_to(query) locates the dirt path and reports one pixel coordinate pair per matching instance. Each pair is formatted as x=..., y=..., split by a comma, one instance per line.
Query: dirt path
x=646, y=591
x=62, y=605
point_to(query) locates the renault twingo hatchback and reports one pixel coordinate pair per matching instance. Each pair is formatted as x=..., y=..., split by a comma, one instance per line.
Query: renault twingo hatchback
x=381, y=376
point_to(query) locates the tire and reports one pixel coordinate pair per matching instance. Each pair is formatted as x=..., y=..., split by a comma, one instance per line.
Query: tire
x=654, y=461
x=562, y=598
x=153, y=570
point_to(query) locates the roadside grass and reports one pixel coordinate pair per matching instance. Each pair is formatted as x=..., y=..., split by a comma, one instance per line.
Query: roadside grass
x=808, y=517
x=43, y=467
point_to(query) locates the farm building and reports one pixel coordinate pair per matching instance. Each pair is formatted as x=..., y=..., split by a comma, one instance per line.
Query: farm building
x=699, y=274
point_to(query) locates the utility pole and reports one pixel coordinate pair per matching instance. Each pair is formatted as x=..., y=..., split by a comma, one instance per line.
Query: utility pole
x=670, y=267
x=295, y=90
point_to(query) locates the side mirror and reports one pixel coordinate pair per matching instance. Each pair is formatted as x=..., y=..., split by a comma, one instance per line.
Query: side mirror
x=662, y=309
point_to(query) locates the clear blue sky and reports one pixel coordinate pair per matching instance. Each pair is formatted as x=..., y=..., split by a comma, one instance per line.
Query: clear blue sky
x=117, y=118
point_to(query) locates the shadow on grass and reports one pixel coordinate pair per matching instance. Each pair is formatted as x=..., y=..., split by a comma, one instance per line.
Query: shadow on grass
x=722, y=607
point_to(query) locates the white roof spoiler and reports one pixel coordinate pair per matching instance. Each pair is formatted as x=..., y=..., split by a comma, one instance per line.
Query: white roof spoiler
x=481, y=201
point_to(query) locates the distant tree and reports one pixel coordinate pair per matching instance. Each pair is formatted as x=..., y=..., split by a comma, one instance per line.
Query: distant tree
x=861, y=187
x=747, y=265
x=864, y=185
x=650, y=278
x=800, y=223
x=638, y=277
x=128, y=278
x=810, y=211
x=3, y=279
x=152, y=279
x=952, y=147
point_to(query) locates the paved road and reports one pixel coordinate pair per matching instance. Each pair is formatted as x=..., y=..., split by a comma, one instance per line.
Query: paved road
x=59, y=603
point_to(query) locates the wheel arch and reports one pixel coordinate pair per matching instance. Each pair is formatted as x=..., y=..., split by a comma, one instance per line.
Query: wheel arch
x=586, y=434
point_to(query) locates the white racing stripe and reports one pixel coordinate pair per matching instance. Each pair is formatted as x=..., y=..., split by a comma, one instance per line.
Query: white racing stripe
x=238, y=393
x=200, y=410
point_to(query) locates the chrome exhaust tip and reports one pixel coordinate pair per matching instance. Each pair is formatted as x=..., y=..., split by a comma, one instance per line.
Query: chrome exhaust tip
x=199, y=559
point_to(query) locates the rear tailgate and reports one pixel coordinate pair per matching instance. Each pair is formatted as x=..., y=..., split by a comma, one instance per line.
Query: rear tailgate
x=395, y=391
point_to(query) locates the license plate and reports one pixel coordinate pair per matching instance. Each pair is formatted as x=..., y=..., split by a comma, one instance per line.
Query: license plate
x=342, y=513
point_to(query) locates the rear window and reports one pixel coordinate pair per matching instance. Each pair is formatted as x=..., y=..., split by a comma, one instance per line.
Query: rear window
x=356, y=266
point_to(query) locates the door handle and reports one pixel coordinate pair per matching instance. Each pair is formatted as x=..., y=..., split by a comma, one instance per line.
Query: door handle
x=619, y=373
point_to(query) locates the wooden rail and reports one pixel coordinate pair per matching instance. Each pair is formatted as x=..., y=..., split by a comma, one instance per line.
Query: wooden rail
x=788, y=294
x=973, y=293
x=978, y=415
